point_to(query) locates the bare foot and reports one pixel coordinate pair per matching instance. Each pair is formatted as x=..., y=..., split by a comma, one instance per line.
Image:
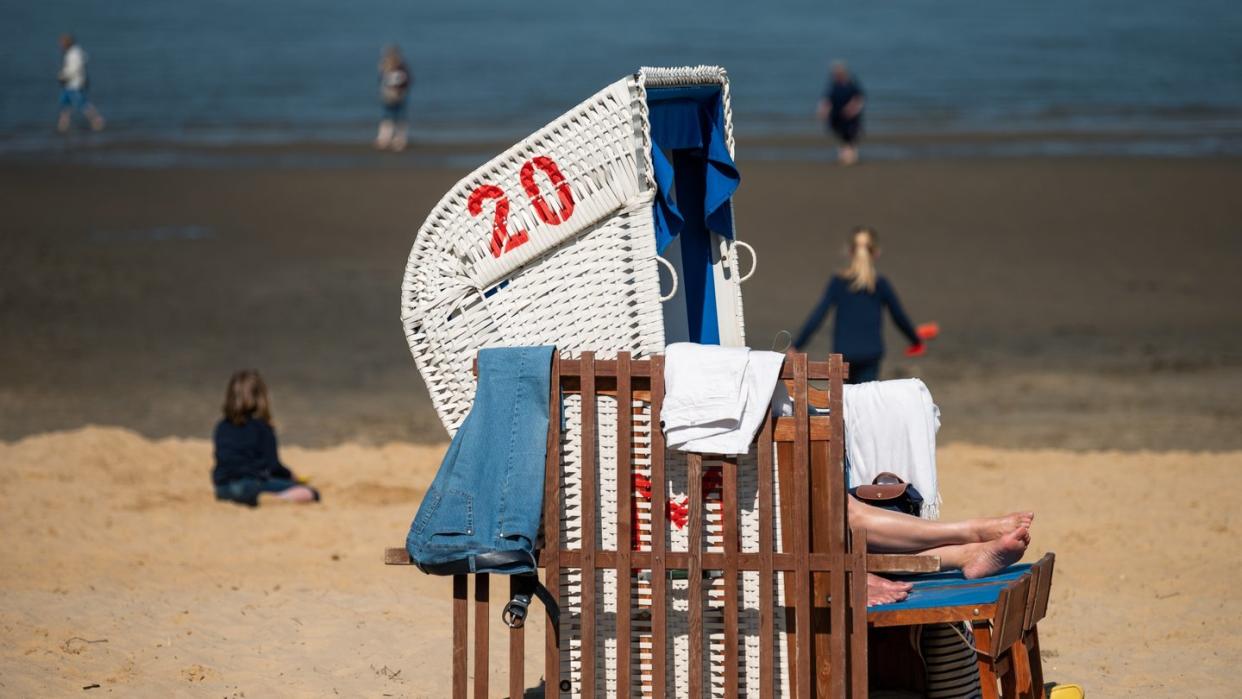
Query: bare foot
x=990, y=528
x=886, y=584
x=880, y=591
x=298, y=493
x=991, y=557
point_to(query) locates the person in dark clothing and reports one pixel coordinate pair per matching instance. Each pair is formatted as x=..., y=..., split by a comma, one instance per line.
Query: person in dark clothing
x=841, y=109
x=860, y=296
x=247, y=464
x=395, y=80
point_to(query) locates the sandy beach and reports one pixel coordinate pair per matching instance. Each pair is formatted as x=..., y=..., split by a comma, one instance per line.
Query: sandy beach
x=120, y=570
x=1089, y=369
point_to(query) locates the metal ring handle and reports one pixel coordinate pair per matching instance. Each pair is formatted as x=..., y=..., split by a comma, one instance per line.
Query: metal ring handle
x=754, y=260
x=673, y=274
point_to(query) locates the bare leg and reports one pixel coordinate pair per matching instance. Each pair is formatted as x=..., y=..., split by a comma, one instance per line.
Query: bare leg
x=399, y=136
x=384, y=137
x=94, y=117
x=64, y=120
x=980, y=560
x=894, y=532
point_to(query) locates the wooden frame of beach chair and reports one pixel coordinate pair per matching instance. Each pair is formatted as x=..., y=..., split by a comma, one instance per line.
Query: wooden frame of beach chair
x=820, y=559
x=1028, y=665
x=1003, y=620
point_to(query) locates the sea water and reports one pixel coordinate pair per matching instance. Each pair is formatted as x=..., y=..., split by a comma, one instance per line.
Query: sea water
x=278, y=71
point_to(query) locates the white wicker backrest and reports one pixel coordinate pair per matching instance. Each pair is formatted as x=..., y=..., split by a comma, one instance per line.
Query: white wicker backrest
x=551, y=242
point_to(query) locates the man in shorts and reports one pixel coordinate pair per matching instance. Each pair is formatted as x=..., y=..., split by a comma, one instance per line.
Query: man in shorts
x=73, y=87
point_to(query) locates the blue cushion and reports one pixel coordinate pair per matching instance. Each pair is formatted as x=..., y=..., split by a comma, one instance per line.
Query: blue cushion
x=950, y=589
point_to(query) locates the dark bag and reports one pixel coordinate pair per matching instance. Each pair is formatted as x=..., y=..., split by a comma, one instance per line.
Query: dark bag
x=889, y=492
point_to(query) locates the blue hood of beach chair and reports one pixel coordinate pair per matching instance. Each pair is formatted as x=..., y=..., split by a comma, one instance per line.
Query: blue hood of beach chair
x=695, y=178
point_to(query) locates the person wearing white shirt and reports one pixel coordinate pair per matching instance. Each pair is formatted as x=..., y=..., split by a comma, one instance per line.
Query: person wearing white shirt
x=73, y=87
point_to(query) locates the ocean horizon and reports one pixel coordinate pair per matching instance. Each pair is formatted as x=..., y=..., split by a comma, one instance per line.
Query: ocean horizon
x=1164, y=77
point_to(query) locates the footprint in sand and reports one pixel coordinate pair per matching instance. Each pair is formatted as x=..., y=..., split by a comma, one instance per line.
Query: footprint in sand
x=196, y=673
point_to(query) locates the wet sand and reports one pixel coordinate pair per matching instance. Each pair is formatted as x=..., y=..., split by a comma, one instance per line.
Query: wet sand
x=1085, y=303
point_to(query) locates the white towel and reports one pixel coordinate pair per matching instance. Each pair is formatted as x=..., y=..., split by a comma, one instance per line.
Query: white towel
x=891, y=426
x=715, y=397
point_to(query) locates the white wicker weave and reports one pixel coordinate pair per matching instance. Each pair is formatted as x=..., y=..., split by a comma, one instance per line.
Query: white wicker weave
x=588, y=282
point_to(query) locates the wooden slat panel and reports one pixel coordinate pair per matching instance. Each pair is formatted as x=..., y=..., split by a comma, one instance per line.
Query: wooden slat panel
x=801, y=528
x=552, y=529
x=589, y=510
x=787, y=429
x=902, y=563
x=1013, y=612
x=625, y=490
x=460, y=620
x=801, y=525
x=835, y=499
x=837, y=495
x=397, y=556
x=1045, y=588
x=694, y=479
x=823, y=615
x=933, y=615
x=858, y=614
x=729, y=512
x=659, y=578
x=481, y=587
x=767, y=593
x=571, y=386
x=517, y=652
x=1035, y=572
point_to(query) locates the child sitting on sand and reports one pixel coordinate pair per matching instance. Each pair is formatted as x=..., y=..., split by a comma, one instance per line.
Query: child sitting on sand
x=246, y=460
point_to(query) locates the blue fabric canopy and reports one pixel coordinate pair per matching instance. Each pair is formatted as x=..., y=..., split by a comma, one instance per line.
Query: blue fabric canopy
x=695, y=177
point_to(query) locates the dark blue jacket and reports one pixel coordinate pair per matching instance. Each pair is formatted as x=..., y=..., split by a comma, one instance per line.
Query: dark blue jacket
x=858, y=331
x=247, y=450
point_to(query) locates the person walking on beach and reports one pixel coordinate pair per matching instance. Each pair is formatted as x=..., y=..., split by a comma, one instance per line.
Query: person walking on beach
x=247, y=464
x=860, y=295
x=395, y=80
x=74, y=86
x=841, y=109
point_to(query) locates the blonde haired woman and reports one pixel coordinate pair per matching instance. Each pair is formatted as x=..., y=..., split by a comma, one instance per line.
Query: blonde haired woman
x=860, y=295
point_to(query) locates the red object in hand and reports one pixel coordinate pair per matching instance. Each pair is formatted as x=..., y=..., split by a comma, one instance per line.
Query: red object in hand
x=928, y=331
x=916, y=350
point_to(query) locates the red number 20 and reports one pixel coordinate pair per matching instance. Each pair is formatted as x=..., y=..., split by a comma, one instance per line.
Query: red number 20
x=502, y=240
x=546, y=214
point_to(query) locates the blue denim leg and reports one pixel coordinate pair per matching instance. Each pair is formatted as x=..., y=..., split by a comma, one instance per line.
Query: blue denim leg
x=488, y=493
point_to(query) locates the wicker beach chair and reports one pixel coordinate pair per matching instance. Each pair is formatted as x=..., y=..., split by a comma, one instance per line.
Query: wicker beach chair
x=557, y=241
